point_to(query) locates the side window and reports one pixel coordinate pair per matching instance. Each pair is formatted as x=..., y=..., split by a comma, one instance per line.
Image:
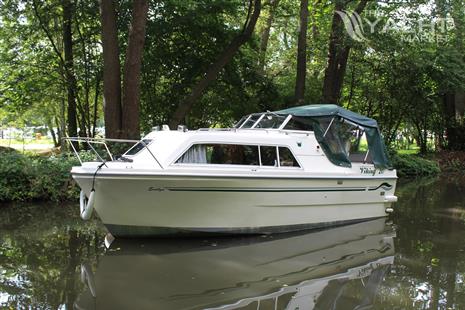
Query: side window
x=236, y=154
x=286, y=159
x=220, y=154
x=299, y=124
x=233, y=154
x=268, y=155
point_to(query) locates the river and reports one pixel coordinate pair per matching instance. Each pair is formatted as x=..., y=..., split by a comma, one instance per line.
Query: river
x=415, y=259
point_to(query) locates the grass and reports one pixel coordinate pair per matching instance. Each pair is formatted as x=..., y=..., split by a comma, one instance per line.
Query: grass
x=408, y=152
x=28, y=144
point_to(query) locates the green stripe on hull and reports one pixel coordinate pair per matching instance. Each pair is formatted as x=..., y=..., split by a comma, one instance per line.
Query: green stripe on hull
x=384, y=186
x=177, y=189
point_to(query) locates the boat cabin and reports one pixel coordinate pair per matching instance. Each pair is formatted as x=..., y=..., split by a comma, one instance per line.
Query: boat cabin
x=273, y=139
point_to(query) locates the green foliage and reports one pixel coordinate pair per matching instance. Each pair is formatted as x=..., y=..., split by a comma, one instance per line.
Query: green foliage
x=15, y=172
x=7, y=150
x=399, y=81
x=29, y=177
x=184, y=39
x=32, y=77
x=414, y=166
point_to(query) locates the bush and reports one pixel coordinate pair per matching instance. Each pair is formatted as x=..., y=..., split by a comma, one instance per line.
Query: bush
x=29, y=177
x=414, y=166
x=15, y=177
x=7, y=150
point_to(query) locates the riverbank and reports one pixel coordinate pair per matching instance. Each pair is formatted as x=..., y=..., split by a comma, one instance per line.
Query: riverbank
x=30, y=177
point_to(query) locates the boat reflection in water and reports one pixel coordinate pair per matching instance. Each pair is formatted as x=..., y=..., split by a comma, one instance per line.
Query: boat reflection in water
x=338, y=268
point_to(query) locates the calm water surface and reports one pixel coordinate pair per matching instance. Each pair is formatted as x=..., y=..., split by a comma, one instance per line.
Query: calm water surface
x=50, y=259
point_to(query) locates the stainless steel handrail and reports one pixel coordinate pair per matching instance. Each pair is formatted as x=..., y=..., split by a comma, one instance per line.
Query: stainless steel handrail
x=103, y=141
x=89, y=142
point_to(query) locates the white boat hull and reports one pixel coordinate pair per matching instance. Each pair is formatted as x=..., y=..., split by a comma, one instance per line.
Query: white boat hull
x=152, y=205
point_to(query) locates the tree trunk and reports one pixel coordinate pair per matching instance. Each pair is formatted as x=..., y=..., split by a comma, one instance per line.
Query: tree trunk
x=338, y=55
x=68, y=62
x=266, y=35
x=302, y=53
x=111, y=70
x=452, y=132
x=132, y=70
x=62, y=125
x=52, y=132
x=96, y=96
x=224, y=58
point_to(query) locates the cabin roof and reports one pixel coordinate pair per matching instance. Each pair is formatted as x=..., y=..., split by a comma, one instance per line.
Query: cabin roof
x=170, y=144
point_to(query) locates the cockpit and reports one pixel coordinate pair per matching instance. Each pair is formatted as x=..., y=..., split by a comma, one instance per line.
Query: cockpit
x=344, y=136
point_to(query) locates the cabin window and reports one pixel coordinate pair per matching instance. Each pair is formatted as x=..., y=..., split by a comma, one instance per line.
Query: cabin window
x=268, y=156
x=296, y=123
x=197, y=154
x=236, y=154
x=286, y=159
x=138, y=147
x=221, y=154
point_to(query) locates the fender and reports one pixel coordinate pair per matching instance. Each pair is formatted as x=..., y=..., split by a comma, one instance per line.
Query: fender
x=86, y=207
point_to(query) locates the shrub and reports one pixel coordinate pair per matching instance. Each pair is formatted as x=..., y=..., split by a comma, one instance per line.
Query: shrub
x=16, y=174
x=29, y=177
x=52, y=178
x=414, y=165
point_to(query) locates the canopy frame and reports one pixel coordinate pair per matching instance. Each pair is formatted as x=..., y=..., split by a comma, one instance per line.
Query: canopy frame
x=319, y=113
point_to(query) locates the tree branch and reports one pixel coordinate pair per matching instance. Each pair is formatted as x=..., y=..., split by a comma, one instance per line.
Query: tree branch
x=212, y=73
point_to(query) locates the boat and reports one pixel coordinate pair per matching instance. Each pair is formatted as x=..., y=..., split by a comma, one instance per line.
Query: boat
x=336, y=268
x=300, y=168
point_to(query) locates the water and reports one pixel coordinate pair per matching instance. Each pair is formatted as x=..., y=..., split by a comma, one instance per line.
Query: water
x=50, y=259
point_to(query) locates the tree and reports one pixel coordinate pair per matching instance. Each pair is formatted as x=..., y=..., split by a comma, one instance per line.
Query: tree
x=35, y=98
x=132, y=70
x=223, y=59
x=69, y=66
x=66, y=61
x=338, y=53
x=123, y=116
x=111, y=70
x=302, y=54
x=265, y=36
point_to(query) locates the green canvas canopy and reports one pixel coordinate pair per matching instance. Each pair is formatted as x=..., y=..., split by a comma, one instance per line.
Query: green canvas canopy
x=329, y=122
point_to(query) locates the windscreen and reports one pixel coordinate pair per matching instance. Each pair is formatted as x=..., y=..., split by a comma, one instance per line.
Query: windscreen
x=138, y=147
x=270, y=121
